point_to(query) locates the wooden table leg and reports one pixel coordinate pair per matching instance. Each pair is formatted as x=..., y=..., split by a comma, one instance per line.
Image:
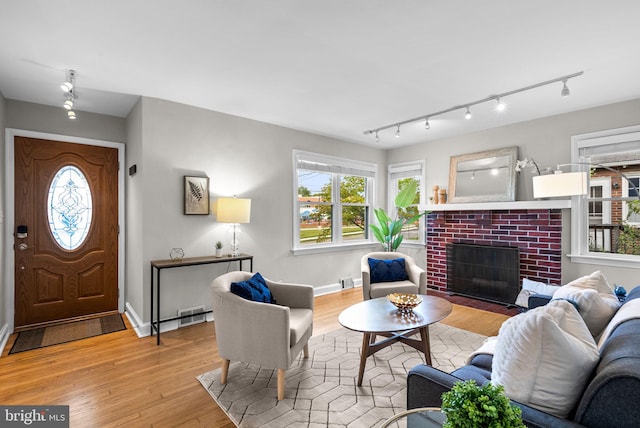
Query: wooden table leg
x=424, y=336
x=364, y=353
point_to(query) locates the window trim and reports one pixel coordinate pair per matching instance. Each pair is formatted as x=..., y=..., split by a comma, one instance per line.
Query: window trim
x=579, y=211
x=337, y=167
x=403, y=170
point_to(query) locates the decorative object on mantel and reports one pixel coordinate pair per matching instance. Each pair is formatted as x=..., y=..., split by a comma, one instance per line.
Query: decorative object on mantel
x=389, y=232
x=234, y=210
x=436, y=196
x=176, y=254
x=487, y=176
x=219, y=249
x=442, y=196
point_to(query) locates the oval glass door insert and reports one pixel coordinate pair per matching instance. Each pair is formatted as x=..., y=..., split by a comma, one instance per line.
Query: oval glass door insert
x=69, y=207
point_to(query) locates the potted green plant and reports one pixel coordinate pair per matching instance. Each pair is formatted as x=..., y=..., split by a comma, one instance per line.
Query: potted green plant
x=218, y=249
x=468, y=405
x=388, y=230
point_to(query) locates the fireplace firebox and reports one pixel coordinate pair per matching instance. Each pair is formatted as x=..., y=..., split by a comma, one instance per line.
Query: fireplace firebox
x=484, y=272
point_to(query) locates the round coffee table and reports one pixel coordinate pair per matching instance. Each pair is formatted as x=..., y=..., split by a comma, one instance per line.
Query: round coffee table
x=380, y=317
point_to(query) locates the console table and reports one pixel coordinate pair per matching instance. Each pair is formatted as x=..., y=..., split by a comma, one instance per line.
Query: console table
x=158, y=265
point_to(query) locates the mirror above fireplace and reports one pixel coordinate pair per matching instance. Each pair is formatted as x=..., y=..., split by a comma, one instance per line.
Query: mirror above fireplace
x=488, y=176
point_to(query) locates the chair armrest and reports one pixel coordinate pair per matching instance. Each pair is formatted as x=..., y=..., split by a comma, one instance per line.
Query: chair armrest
x=417, y=275
x=366, y=277
x=536, y=300
x=292, y=295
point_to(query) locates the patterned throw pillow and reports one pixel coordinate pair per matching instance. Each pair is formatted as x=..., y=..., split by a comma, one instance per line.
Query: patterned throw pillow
x=254, y=288
x=387, y=270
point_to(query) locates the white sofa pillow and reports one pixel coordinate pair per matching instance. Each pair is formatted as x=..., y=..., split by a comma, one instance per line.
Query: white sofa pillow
x=539, y=287
x=544, y=358
x=595, y=298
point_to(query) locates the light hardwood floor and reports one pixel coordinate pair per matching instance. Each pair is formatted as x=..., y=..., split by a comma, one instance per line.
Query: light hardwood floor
x=120, y=380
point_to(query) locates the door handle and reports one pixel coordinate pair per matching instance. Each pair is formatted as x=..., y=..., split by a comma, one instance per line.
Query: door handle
x=22, y=246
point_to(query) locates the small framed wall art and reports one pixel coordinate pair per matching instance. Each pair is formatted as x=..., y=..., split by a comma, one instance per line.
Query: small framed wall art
x=196, y=195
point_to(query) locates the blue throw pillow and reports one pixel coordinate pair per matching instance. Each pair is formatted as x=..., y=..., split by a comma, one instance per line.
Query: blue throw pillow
x=254, y=288
x=387, y=270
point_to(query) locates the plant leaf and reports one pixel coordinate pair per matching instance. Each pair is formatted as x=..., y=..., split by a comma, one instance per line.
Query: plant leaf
x=406, y=196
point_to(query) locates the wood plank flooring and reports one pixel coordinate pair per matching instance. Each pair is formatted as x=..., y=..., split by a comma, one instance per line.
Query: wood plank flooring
x=121, y=380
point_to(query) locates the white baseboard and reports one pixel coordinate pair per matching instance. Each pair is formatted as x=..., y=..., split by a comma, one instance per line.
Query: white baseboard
x=143, y=329
x=4, y=337
x=334, y=288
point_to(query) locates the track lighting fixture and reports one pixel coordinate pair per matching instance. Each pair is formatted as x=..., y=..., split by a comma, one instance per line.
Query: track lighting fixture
x=70, y=96
x=565, y=90
x=497, y=98
x=377, y=139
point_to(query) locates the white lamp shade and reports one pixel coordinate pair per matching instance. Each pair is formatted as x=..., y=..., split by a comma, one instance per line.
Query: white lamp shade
x=233, y=210
x=565, y=184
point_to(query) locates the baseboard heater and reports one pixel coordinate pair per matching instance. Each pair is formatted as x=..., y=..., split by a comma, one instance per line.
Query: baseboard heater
x=484, y=272
x=190, y=316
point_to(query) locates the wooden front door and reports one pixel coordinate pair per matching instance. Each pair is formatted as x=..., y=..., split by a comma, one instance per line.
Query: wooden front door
x=66, y=231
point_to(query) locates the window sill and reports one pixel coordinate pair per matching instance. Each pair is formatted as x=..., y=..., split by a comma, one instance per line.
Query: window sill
x=331, y=248
x=617, y=260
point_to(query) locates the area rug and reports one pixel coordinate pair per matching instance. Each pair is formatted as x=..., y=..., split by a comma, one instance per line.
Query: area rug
x=322, y=391
x=62, y=333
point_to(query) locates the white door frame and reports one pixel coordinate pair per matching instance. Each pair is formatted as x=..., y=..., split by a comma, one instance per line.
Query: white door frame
x=9, y=226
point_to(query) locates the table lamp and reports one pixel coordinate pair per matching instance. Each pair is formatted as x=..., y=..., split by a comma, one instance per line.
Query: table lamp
x=234, y=210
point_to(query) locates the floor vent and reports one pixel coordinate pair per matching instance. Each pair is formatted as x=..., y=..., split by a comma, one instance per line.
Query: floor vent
x=346, y=282
x=191, y=316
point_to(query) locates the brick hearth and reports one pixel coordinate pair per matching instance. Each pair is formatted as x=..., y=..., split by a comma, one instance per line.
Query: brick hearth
x=536, y=232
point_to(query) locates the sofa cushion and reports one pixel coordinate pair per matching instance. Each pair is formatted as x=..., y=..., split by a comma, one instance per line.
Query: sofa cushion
x=300, y=320
x=387, y=270
x=381, y=289
x=530, y=288
x=544, y=358
x=254, y=289
x=595, y=299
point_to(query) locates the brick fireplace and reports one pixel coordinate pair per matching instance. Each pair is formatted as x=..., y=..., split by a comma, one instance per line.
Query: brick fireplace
x=537, y=233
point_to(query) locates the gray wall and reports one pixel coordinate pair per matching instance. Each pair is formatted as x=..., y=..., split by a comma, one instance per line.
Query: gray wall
x=242, y=157
x=548, y=141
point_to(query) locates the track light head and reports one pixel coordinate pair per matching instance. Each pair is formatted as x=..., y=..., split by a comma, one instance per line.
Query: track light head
x=398, y=132
x=377, y=139
x=71, y=114
x=565, y=90
x=500, y=105
x=467, y=115
x=427, y=125
x=66, y=86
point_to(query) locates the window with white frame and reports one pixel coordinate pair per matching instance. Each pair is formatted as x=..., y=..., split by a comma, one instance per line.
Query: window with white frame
x=608, y=220
x=399, y=175
x=332, y=200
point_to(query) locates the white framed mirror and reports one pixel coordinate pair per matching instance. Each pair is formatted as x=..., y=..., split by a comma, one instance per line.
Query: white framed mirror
x=488, y=176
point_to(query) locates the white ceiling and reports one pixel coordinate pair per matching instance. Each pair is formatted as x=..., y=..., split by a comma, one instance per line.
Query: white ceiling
x=330, y=67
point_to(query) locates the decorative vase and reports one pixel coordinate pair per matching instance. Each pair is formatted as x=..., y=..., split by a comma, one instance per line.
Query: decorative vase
x=176, y=254
x=218, y=252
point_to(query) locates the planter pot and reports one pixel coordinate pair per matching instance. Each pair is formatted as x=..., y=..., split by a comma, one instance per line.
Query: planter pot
x=218, y=252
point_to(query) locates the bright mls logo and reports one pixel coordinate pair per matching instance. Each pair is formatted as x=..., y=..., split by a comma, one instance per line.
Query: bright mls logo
x=34, y=416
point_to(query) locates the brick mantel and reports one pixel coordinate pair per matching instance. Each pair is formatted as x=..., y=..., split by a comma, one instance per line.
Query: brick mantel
x=536, y=232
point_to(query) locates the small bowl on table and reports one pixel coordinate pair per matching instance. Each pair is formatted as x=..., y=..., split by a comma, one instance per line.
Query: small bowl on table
x=404, y=301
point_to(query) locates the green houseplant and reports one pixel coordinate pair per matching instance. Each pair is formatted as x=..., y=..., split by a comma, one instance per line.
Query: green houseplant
x=388, y=230
x=468, y=405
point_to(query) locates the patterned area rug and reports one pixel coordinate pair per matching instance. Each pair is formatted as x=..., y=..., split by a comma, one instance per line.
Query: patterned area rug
x=321, y=391
x=62, y=333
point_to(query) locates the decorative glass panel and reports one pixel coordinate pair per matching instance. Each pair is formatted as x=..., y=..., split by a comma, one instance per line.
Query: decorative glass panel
x=69, y=207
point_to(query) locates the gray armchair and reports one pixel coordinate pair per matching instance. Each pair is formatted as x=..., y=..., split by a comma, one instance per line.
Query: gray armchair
x=416, y=284
x=269, y=335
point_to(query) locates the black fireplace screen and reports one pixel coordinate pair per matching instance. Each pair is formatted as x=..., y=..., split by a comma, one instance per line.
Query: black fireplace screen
x=484, y=272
